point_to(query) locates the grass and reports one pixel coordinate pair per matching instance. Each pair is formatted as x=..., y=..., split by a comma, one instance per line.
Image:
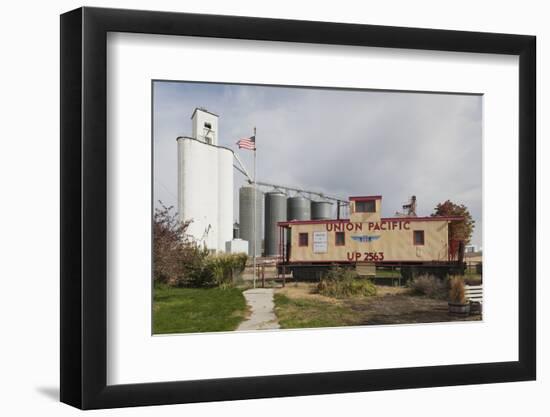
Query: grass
x=295, y=313
x=299, y=306
x=191, y=310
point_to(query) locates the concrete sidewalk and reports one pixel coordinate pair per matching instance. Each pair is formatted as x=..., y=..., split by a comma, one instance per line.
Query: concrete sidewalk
x=262, y=307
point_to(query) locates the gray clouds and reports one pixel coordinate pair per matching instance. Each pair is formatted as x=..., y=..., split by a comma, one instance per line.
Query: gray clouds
x=341, y=142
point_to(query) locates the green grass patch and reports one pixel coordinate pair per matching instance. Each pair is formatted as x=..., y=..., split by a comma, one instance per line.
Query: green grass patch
x=191, y=310
x=299, y=313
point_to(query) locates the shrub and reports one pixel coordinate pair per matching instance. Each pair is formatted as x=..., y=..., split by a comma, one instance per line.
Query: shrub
x=239, y=262
x=429, y=286
x=179, y=260
x=342, y=282
x=223, y=269
x=456, y=291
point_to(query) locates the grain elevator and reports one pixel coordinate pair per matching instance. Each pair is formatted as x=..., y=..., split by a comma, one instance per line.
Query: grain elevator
x=205, y=183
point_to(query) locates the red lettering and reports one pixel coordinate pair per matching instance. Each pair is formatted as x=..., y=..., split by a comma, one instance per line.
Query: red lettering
x=358, y=226
x=369, y=256
x=351, y=256
x=329, y=227
x=394, y=224
x=383, y=226
x=376, y=226
x=371, y=225
x=338, y=227
x=407, y=225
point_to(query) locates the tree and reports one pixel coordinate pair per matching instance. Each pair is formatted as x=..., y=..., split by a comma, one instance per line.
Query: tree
x=177, y=259
x=181, y=261
x=457, y=230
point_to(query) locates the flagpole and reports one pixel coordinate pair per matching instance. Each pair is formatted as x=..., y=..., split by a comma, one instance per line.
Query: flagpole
x=254, y=227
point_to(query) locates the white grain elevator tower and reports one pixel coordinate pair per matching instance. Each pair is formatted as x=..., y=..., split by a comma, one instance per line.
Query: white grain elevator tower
x=205, y=182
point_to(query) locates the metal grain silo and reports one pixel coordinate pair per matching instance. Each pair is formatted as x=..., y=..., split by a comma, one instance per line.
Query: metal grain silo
x=321, y=210
x=298, y=208
x=275, y=211
x=246, y=218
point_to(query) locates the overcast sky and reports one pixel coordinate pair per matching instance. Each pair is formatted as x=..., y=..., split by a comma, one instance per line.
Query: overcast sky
x=341, y=142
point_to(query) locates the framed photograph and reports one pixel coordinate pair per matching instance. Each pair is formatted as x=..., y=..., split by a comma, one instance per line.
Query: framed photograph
x=257, y=208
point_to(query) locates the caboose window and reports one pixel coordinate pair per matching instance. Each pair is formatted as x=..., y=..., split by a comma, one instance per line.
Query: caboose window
x=368, y=206
x=418, y=237
x=302, y=239
x=340, y=238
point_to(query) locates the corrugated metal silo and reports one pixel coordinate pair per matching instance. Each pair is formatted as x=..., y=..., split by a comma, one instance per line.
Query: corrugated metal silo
x=246, y=218
x=275, y=211
x=298, y=208
x=321, y=210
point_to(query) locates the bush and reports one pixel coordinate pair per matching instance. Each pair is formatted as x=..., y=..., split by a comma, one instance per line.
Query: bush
x=456, y=291
x=429, y=286
x=180, y=261
x=342, y=282
x=223, y=269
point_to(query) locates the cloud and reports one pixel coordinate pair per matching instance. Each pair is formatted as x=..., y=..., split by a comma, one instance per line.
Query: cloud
x=341, y=142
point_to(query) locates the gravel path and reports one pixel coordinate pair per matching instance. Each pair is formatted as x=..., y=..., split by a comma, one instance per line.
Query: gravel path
x=262, y=307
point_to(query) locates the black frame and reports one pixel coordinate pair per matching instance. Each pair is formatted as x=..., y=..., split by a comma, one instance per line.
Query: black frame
x=84, y=208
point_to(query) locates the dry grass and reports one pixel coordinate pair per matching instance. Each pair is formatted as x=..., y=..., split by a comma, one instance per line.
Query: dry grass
x=298, y=306
x=307, y=291
x=387, y=290
x=404, y=309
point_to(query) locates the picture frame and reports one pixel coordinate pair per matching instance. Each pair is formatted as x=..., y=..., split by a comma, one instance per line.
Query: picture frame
x=84, y=179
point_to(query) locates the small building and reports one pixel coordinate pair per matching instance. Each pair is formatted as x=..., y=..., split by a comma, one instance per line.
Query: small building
x=368, y=238
x=236, y=246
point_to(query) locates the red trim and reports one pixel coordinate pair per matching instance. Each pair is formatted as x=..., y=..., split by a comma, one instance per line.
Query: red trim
x=424, y=219
x=291, y=222
x=384, y=219
x=365, y=198
x=423, y=238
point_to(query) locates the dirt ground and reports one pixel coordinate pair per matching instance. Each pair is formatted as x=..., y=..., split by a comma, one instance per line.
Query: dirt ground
x=391, y=305
x=402, y=309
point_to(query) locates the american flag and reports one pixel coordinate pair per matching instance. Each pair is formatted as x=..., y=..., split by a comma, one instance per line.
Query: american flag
x=248, y=143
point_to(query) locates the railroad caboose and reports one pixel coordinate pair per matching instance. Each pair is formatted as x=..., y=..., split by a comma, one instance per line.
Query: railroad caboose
x=366, y=241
